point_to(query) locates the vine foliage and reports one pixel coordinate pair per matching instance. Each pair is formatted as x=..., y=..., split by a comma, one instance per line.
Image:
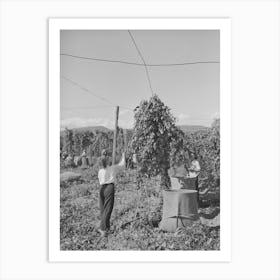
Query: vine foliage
x=154, y=130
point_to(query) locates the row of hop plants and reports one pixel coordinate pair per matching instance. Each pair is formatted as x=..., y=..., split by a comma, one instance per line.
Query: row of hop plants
x=157, y=143
x=74, y=142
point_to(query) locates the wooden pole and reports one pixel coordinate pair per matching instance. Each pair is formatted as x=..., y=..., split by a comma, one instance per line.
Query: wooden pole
x=115, y=136
x=125, y=139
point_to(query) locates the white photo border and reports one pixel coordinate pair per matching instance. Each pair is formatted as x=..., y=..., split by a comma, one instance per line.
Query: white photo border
x=57, y=24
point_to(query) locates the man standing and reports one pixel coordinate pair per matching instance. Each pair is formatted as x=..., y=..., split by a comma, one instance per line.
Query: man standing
x=107, y=179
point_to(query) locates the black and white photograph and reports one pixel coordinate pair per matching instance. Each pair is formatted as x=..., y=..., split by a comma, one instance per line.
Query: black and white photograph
x=140, y=140
x=140, y=150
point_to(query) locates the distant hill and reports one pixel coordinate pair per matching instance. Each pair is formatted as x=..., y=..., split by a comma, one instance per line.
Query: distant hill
x=185, y=128
x=192, y=128
x=92, y=129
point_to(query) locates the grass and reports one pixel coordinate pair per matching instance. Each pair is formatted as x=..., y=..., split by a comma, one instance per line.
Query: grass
x=134, y=219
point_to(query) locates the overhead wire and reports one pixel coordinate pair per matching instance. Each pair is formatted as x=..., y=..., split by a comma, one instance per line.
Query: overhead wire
x=143, y=60
x=104, y=99
x=86, y=107
x=102, y=60
x=92, y=93
x=87, y=90
x=128, y=63
x=141, y=64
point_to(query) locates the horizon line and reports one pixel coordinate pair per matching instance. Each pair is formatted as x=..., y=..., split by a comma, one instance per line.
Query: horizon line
x=103, y=126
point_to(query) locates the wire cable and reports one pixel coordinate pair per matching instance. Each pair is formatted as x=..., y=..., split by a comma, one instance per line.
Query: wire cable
x=87, y=90
x=141, y=64
x=142, y=58
x=86, y=107
x=94, y=94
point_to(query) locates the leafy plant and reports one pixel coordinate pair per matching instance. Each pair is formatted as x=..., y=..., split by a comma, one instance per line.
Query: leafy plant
x=206, y=144
x=179, y=154
x=153, y=133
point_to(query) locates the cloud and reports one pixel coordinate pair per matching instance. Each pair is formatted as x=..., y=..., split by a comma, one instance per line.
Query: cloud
x=182, y=119
x=84, y=122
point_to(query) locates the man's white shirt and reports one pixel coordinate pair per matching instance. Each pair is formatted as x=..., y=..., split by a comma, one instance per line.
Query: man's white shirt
x=194, y=169
x=108, y=175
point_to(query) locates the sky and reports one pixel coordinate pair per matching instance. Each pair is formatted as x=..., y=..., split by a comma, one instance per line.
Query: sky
x=191, y=91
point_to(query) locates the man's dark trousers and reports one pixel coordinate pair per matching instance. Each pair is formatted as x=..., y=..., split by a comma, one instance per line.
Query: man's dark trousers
x=106, y=204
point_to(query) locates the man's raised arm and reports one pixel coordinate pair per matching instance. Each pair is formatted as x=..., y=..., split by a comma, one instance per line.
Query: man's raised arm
x=121, y=165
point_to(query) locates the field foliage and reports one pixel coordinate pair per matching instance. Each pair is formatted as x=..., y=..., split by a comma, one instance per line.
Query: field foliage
x=135, y=218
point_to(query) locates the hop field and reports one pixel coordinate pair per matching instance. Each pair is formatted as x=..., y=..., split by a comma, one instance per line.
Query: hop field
x=134, y=221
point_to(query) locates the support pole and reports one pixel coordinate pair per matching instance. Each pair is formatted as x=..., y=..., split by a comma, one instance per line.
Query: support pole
x=125, y=139
x=115, y=136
